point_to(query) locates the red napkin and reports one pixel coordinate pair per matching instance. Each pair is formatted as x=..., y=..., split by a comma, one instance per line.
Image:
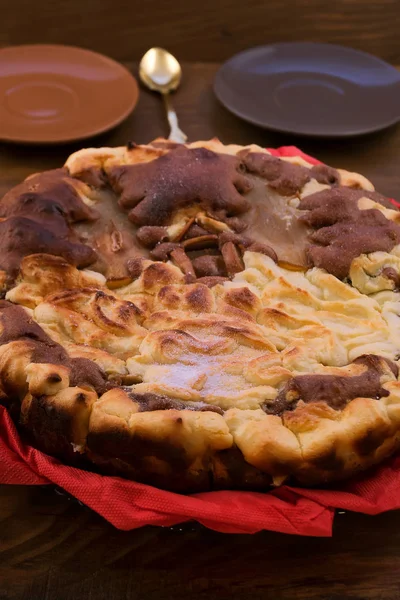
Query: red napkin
x=293, y=151
x=128, y=505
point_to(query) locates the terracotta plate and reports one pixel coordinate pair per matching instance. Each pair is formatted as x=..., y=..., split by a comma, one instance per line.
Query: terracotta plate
x=61, y=93
x=311, y=89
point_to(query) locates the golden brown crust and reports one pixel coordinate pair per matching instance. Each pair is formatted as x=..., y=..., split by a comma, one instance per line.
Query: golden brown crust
x=197, y=349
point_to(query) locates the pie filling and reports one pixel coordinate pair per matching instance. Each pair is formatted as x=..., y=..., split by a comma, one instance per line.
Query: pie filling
x=204, y=309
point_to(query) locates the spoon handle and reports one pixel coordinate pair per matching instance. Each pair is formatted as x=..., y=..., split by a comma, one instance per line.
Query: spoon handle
x=176, y=134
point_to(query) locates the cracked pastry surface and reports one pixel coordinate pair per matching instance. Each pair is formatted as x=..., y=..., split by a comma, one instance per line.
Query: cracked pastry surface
x=202, y=316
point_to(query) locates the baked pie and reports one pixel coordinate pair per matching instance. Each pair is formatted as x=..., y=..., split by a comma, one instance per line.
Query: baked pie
x=202, y=316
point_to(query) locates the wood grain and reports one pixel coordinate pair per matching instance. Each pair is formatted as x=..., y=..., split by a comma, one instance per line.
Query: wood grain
x=202, y=117
x=201, y=31
x=51, y=548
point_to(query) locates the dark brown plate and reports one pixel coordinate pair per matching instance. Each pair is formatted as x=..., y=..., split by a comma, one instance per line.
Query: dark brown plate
x=310, y=89
x=61, y=93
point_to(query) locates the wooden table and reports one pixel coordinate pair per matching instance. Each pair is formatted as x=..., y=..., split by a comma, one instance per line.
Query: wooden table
x=51, y=548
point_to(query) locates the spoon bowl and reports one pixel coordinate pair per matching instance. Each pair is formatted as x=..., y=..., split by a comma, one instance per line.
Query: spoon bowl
x=160, y=71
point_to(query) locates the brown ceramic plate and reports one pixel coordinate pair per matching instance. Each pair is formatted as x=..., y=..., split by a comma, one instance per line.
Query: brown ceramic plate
x=311, y=89
x=61, y=93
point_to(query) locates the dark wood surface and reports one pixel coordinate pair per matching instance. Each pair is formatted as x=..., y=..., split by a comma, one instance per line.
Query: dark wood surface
x=202, y=117
x=201, y=29
x=53, y=549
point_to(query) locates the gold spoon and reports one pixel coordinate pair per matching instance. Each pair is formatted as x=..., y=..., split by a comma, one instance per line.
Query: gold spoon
x=161, y=72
